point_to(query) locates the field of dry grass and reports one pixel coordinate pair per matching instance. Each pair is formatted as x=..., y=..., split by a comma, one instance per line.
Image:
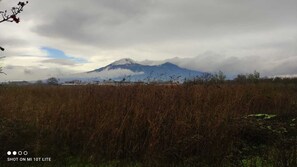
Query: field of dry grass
x=151, y=125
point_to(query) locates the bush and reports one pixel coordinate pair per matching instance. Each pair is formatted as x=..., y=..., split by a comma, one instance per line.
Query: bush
x=52, y=81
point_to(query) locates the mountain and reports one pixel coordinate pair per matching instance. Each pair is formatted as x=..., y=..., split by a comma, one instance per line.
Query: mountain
x=129, y=70
x=139, y=72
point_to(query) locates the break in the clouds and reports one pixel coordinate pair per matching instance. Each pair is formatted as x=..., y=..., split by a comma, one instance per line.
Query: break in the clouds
x=59, y=57
x=234, y=36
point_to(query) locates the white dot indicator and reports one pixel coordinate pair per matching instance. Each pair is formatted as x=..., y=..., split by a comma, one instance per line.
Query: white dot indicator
x=14, y=153
x=8, y=152
x=25, y=153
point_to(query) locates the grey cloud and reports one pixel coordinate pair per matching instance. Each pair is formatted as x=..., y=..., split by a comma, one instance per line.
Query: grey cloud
x=91, y=22
x=213, y=62
x=27, y=71
x=287, y=67
x=117, y=24
x=12, y=42
x=31, y=73
x=10, y=67
x=69, y=25
x=60, y=62
x=241, y=35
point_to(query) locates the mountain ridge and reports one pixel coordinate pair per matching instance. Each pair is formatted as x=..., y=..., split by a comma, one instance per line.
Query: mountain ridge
x=130, y=70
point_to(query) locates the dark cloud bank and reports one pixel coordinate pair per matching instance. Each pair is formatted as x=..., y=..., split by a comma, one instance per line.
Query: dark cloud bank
x=235, y=36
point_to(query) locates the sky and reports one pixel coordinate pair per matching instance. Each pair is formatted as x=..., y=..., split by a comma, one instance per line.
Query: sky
x=56, y=38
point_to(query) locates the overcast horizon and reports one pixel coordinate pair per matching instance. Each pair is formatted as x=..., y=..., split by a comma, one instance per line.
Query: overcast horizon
x=56, y=38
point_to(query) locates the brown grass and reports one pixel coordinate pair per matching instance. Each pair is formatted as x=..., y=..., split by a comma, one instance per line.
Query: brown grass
x=193, y=125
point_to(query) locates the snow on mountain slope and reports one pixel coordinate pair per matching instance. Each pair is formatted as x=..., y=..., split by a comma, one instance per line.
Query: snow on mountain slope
x=129, y=70
x=123, y=61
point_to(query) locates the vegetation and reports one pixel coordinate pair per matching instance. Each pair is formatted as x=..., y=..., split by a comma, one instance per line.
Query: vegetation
x=52, y=81
x=255, y=77
x=207, y=78
x=152, y=125
x=1, y=70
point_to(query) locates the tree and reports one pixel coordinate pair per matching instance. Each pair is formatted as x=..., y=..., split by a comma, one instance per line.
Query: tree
x=1, y=71
x=11, y=17
x=252, y=78
x=240, y=78
x=219, y=77
x=52, y=81
x=39, y=82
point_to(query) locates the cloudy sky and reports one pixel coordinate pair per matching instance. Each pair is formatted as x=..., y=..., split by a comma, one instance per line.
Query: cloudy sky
x=56, y=37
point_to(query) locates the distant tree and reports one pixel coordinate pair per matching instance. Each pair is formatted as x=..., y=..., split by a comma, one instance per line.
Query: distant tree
x=39, y=82
x=219, y=77
x=240, y=78
x=253, y=77
x=1, y=71
x=52, y=81
x=206, y=77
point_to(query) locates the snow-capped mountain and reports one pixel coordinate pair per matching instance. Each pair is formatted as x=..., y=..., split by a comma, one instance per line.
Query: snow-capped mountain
x=129, y=70
x=123, y=62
